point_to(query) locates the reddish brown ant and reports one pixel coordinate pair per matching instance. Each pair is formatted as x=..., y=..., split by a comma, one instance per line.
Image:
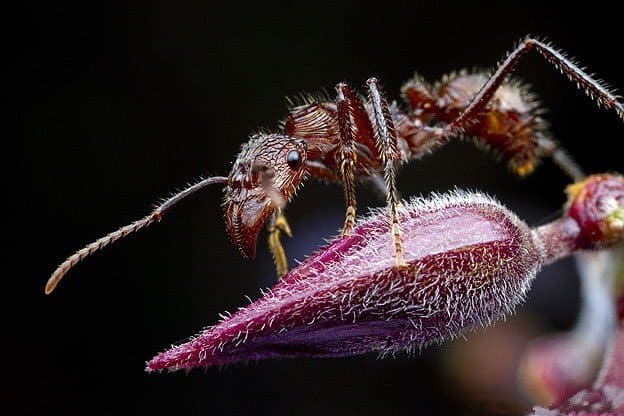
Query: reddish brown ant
x=352, y=137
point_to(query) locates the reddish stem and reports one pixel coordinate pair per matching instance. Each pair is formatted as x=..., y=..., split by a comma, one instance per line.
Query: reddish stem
x=559, y=239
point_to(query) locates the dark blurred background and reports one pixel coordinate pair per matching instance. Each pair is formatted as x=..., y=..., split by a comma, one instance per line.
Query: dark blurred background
x=111, y=107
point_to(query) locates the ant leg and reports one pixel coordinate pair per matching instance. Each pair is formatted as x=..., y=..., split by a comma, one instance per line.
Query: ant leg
x=346, y=155
x=389, y=152
x=277, y=226
x=593, y=88
x=278, y=223
x=589, y=85
x=561, y=158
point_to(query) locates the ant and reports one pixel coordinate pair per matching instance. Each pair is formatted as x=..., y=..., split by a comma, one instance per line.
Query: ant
x=366, y=138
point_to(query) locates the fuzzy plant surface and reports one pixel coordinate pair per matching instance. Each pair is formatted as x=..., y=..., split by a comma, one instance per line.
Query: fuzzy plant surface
x=470, y=261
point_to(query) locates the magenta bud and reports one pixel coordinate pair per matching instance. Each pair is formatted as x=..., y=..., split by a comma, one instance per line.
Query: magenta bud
x=593, y=218
x=597, y=205
x=469, y=262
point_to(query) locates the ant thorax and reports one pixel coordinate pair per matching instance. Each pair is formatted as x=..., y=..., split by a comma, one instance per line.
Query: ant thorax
x=511, y=124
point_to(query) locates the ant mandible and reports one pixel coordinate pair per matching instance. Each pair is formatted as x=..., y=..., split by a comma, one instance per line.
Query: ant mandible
x=353, y=137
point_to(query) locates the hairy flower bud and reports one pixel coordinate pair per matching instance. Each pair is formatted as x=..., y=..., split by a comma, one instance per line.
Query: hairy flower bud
x=597, y=205
x=469, y=261
x=593, y=218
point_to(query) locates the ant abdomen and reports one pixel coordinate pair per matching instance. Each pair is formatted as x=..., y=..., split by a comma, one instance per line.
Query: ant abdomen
x=510, y=124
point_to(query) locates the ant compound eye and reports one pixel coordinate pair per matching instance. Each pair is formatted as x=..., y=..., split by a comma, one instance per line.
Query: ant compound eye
x=294, y=159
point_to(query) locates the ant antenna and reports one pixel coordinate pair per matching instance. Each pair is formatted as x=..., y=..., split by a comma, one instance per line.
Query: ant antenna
x=156, y=215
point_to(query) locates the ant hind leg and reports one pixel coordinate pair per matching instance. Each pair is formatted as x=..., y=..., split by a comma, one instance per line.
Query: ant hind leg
x=592, y=87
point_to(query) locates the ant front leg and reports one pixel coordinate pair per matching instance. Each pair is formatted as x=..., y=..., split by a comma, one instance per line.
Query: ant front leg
x=593, y=88
x=278, y=223
x=385, y=135
x=277, y=226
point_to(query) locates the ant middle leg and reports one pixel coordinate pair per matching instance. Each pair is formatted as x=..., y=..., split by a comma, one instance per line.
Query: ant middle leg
x=347, y=154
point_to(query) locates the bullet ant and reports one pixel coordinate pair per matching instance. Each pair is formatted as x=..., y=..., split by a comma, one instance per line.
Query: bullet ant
x=353, y=137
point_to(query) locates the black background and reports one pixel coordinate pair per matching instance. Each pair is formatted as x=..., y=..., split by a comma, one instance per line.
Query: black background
x=111, y=107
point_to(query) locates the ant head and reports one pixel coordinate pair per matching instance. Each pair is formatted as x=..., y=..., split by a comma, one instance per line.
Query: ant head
x=267, y=172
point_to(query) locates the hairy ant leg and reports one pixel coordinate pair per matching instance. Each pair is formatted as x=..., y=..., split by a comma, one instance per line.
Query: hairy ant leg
x=593, y=88
x=278, y=223
x=561, y=158
x=386, y=138
x=346, y=155
x=277, y=226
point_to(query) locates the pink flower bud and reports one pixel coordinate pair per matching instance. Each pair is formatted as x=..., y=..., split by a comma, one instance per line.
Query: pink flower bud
x=594, y=218
x=470, y=261
x=597, y=205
